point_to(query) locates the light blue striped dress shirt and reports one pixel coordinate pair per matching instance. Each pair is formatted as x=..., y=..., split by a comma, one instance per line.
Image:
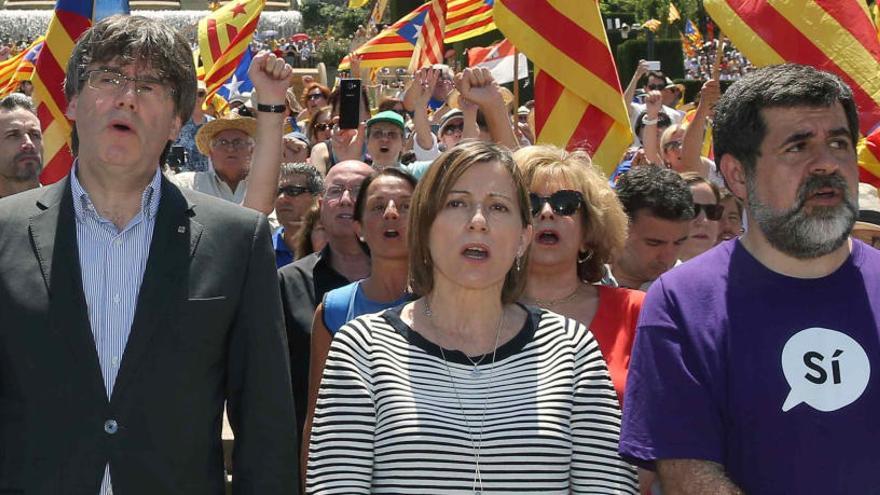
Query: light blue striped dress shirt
x=112, y=263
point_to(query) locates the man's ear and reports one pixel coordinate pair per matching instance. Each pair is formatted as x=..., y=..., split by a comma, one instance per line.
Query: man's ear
x=175, y=128
x=735, y=175
x=71, y=108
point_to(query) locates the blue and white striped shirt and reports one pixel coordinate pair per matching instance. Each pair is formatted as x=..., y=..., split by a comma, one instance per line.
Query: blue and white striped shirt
x=112, y=263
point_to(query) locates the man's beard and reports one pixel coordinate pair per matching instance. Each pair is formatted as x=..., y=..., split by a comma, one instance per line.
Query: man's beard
x=798, y=233
x=19, y=171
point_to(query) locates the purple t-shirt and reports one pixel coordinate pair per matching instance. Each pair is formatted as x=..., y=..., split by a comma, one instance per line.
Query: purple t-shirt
x=769, y=375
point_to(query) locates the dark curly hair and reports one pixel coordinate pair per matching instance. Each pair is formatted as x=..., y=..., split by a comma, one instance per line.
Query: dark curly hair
x=661, y=191
x=739, y=128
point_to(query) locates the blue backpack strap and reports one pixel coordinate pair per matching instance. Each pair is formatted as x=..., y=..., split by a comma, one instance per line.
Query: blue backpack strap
x=336, y=306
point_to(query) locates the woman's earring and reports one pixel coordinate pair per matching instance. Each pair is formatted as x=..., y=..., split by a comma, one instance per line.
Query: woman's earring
x=584, y=256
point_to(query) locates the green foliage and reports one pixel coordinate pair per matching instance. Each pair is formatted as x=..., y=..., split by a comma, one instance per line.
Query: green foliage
x=323, y=18
x=332, y=51
x=667, y=51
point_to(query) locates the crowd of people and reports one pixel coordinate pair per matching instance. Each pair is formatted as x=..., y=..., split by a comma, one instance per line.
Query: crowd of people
x=428, y=300
x=698, y=64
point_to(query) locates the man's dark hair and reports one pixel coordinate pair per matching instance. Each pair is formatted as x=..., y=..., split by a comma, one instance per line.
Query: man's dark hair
x=663, y=121
x=739, y=129
x=314, y=181
x=660, y=190
x=136, y=40
x=655, y=74
x=17, y=100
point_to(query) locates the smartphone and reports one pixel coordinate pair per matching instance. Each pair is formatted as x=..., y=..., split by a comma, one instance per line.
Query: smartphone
x=349, y=103
x=652, y=64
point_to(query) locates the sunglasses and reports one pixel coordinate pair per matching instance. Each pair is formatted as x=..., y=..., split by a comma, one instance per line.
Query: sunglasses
x=322, y=127
x=564, y=202
x=657, y=86
x=713, y=212
x=292, y=191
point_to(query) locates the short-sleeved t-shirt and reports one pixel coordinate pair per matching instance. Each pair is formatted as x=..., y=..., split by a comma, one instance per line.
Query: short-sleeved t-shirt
x=771, y=376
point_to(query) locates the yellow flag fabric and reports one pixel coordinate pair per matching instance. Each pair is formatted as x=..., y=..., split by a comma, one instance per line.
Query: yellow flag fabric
x=224, y=35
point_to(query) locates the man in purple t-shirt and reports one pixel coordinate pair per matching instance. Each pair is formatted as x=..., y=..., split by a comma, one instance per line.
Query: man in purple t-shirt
x=753, y=363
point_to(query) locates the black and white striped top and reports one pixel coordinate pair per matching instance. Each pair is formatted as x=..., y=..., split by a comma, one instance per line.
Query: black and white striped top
x=388, y=421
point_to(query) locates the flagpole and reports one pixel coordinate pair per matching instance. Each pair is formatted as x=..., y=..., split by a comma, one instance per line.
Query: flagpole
x=515, y=79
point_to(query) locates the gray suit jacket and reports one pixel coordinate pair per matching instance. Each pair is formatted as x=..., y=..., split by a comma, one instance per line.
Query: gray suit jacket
x=207, y=328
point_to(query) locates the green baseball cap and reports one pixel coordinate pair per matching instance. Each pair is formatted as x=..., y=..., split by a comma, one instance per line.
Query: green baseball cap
x=389, y=116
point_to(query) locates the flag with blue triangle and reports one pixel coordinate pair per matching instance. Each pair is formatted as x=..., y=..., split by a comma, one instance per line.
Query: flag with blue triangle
x=239, y=82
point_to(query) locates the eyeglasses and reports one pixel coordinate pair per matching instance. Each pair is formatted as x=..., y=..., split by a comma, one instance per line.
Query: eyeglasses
x=112, y=81
x=235, y=144
x=293, y=191
x=672, y=145
x=657, y=86
x=315, y=96
x=453, y=128
x=380, y=134
x=564, y=202
x=336, y=191
x=713, y=212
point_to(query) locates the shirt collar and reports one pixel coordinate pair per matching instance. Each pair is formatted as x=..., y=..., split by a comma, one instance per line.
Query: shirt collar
x=82, y=203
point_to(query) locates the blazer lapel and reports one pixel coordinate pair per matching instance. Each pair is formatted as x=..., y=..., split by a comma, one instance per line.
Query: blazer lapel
x=53, y=233
x=164, y=286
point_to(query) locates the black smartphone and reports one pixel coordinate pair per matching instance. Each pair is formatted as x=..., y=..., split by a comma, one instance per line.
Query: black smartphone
x=349, y=103
x=176, y=158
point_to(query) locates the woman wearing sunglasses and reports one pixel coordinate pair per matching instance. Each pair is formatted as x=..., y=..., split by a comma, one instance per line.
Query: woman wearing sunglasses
x=320, y=127
x=578, y=224
x=464, y=390
x=707, y=213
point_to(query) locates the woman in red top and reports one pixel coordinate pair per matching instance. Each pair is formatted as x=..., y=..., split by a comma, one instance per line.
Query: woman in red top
x=578, y=224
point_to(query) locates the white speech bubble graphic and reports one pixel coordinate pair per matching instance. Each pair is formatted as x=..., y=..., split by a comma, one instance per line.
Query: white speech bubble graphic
x=825, y=368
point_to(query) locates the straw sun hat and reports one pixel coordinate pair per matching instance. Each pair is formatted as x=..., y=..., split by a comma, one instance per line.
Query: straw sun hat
x=247, y=125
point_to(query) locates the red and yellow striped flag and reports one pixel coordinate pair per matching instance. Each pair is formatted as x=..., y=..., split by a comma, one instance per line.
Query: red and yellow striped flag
x=224, y=35
x=833, y=35
x=869, y=159
x=429, y=45
x=394, y=46
x=70, y=20
x=578, y=100
x=26, y=66
x=8, y=69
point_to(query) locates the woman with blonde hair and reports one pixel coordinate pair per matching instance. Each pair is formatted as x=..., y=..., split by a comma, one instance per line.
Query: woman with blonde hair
x=579, y=224
x=464, y=390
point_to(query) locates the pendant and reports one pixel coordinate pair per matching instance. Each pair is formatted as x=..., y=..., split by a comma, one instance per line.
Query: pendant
x=475, y=372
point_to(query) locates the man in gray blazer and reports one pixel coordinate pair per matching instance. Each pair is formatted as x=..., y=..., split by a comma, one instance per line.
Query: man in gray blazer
x=131, y=311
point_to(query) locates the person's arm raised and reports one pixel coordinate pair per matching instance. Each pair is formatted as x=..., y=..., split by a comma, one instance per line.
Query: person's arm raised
x=271, y=78
x=651, y=141
x=477, y=85
x=419, y=92
x=692, y=144
x=630, y=92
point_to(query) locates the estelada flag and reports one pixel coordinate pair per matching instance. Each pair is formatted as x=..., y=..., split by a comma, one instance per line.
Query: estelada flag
x=19, y=67
x=837, y=36
x=393, y=47
x=71, y=18
x=429, y=43
x=224, y=35
x=578, y=100
x=498, y=58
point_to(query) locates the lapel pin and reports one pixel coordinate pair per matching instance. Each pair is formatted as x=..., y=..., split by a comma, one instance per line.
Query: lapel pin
x=181, y=229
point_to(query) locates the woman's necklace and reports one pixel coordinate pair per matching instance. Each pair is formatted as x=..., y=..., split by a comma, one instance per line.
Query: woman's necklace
x=475, y=370
x=546, y=303
x=477, y=446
